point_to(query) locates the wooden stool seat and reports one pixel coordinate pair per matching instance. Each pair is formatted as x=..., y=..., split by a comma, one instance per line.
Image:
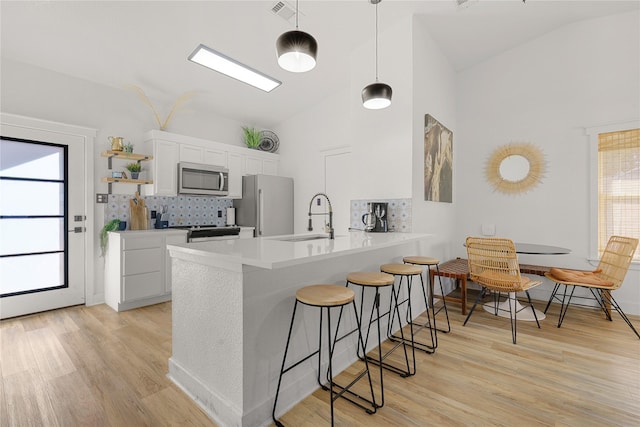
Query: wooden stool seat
x=421, y=260
x=325, y=295
x=401, y=269
x=370, y=278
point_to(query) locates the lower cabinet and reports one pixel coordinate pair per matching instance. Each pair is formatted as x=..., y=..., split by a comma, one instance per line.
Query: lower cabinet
x=138, y=267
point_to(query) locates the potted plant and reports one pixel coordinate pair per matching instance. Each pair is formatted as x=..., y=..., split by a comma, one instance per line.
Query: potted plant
x=112, y=225
x=128, y=147
x=251, y=137
x=134, y=168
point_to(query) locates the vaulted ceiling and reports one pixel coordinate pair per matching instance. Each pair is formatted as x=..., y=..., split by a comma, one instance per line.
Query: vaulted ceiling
x=146, y=43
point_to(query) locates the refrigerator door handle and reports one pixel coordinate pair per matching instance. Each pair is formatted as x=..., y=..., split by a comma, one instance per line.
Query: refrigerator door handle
x=260, y=208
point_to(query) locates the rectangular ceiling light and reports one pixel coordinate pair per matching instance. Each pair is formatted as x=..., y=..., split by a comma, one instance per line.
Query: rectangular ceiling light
x=209, y=58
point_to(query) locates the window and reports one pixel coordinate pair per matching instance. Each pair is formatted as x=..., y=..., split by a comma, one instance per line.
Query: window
x=618, y=186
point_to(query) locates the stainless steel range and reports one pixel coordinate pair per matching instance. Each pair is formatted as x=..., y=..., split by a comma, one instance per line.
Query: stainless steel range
x=205, y=233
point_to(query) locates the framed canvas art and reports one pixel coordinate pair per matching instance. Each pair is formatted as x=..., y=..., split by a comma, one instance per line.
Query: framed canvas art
x=438, y=161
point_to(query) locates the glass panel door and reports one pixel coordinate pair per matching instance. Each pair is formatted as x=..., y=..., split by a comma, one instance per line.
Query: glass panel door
x=33, y=217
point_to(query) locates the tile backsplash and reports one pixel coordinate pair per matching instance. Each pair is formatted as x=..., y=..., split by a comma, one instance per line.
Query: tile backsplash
x=203, y=210
x=398, y=217
x=182, y=210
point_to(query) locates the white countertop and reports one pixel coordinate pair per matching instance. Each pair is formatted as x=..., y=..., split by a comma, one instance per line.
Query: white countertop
x=150, y=231
x=273, y=252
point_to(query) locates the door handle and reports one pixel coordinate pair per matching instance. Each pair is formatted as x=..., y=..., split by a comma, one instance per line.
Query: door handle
x=78, y=230
x=260, y=207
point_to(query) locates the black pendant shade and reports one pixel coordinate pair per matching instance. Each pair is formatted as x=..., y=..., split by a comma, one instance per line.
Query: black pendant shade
x=297, y=51
x=376, y=96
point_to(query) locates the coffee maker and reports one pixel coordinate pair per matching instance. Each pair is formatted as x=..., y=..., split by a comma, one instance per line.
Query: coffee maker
x=375, y=220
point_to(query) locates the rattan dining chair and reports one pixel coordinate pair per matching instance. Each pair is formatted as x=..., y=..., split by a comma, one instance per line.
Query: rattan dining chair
x=607, y=277
x=493, y=264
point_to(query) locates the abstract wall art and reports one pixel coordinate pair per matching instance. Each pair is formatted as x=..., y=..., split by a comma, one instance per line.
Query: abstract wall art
x=438, y=161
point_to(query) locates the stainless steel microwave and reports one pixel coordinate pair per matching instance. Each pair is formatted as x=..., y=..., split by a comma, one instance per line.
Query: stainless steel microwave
x=200, y=179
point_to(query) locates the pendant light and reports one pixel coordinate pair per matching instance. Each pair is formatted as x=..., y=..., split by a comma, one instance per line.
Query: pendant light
x=376, y=95
x=297, y=50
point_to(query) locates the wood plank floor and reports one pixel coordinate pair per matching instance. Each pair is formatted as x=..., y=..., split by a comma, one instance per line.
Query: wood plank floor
x=91, y=366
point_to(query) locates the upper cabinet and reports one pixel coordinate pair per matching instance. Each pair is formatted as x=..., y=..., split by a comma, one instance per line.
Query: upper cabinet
x=168, y=149
x=198, y=154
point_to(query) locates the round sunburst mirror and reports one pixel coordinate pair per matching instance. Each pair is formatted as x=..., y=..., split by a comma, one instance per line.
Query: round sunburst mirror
x=515, y=168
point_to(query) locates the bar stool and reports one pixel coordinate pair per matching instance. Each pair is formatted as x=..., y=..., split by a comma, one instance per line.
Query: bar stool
x=429, y=262
x=327, y=296
x=376, y=281
x=407, y=272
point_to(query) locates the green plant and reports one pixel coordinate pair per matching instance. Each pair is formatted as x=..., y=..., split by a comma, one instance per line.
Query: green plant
x=128, y=147
x=112, y=225
x=251, y=137
x=133, y=167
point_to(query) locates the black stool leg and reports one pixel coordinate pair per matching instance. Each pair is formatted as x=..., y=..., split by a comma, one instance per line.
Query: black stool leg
x=417, y=345
x=394, y=308
x=330, y=352
x=444, y=302
x=282, y=370
x=346, y=389
x=433, y=331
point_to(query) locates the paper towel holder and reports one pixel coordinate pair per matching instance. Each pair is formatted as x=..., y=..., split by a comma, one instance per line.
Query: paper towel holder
x=231, y=216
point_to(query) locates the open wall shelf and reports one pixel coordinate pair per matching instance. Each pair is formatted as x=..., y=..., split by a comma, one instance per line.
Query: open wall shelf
x=123, y=155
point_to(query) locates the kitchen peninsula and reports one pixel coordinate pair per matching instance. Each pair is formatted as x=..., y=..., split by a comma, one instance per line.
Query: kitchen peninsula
x=232, y=302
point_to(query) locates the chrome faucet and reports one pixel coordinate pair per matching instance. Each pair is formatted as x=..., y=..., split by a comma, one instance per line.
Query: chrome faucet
x=310, y=228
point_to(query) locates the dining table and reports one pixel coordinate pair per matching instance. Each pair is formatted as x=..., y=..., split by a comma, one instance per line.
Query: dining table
x=525, y=313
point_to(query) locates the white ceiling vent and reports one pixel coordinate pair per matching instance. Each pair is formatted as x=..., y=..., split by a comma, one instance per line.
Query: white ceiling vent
x=463, y=4
x=283, y=10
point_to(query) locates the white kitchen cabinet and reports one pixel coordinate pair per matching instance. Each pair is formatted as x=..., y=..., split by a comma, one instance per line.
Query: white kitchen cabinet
x=215, y=157
x=252, y=165
x=191, y=153
x=255, y=164
x=269, y=167
x=164, y=168
x=234, y=164
x=168, y=149
x=207, y=156
x=138, y=267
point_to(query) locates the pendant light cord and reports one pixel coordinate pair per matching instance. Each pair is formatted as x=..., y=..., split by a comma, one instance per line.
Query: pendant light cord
x=376, y=41
x=296, y=14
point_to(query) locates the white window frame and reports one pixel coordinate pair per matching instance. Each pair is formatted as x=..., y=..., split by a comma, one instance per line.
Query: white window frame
x=592, y=133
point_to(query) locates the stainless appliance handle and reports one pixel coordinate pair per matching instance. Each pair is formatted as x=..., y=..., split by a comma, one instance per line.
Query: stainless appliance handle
x=221, y=181
x=260, y=207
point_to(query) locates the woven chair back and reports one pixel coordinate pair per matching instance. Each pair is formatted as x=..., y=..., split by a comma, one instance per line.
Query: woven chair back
x=493, y=263
x=616, y=259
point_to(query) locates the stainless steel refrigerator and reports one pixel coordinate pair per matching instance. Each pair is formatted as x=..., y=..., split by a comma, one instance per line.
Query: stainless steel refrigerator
x=266, y=204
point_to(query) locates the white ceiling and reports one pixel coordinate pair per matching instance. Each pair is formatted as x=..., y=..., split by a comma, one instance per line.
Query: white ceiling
x=146, y=43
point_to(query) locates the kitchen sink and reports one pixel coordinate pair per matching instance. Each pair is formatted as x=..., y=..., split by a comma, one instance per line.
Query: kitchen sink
x=301, y=238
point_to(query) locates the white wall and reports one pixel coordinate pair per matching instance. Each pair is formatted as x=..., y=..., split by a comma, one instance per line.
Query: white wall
x=546, y=92
x=380, y=140
x=434, y=93
x=35, y=92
